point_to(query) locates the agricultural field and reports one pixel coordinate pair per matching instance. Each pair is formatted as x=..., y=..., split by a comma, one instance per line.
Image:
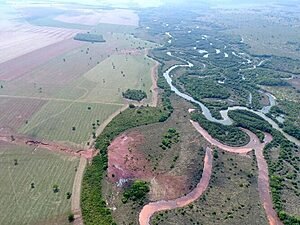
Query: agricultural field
x=76, y=75
x=26, y=185
x=59, y=93
x=68, y=121
x=118, y=73
x=133, y=108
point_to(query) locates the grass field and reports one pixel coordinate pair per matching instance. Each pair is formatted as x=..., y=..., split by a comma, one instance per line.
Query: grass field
x=74, y=80
x=21, y=204
x=56, y=120
x=129, y=72
x=15, y=112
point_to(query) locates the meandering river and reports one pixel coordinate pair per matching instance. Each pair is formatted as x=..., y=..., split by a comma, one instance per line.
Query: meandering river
x=263, y=177
x=224, y=113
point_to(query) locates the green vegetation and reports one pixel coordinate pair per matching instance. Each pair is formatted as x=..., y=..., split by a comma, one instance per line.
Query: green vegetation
x=290, y=110
x=70, y=128
x=228, y=135
x=89, y=37
x=204, y=88
x=280, y=179
x=171, y=137
x=118, y=73
x=232, y=197
x=250, y=121
x=91, y=198
x=136, y=192
x=27, y=177
x=137, y=95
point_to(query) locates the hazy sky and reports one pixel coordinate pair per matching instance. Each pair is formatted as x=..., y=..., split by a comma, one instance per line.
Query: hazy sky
x=150, y=3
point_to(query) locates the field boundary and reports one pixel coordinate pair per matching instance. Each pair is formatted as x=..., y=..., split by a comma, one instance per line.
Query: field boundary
x=76, y=191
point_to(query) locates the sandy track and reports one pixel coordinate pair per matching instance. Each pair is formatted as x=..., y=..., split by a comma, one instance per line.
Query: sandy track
x=76, y=192
x=263, y=178
x=153, y=207
x=263, y=174
x=154, y=88
x=106, y=122
x=254, y=141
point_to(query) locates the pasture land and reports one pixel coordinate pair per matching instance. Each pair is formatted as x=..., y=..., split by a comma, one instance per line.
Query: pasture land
x=56, y=119
x=22, y=204
x=15, y=112
x=60, y=76
x=118, y=73
x=15, y=68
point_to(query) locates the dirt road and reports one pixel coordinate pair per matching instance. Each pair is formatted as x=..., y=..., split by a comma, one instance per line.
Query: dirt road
x=263, y=178
x=153, y=207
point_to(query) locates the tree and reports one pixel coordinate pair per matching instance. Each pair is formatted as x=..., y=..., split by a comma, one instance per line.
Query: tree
x=69, y=194
x=71, y=217
x=32, y=185
x=55, y=188
x=15, y=162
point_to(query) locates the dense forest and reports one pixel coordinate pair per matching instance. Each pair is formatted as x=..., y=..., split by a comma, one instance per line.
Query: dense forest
x=133, y=94
x=89, y=37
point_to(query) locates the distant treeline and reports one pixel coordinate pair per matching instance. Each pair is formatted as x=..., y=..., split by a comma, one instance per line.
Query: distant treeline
x=89, y=37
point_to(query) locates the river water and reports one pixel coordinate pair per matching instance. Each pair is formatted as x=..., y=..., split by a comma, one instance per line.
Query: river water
x=224, y=113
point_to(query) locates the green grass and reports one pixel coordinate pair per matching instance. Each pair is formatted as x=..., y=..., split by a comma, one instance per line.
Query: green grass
x=56, y=120
x=229, y=135
x=231, y=198
x=129, y=72
x=21, y=204
x=94, y=208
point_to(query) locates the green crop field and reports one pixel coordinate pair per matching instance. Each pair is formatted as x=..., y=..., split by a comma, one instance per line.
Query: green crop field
x=118, y=73
x=22, y=204
x=56, y=120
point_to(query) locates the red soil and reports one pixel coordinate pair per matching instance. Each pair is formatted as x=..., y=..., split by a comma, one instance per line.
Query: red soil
x=17, y=67
x=124, y=159
x=254, y=141
x=263, y=179
x=153, y=207
x=167, y=187
x=263, y=174
x=23, y=140
x=127, y=162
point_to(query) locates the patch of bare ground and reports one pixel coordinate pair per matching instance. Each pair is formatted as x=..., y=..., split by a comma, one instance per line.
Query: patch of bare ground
x=20, y=39
x=295, y=82
x=232, y=196
x=136, y=154
x=21, y=65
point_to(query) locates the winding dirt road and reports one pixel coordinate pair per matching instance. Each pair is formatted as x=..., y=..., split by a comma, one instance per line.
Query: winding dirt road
x=153, y=207
x=263, y=178
x=263, y=174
